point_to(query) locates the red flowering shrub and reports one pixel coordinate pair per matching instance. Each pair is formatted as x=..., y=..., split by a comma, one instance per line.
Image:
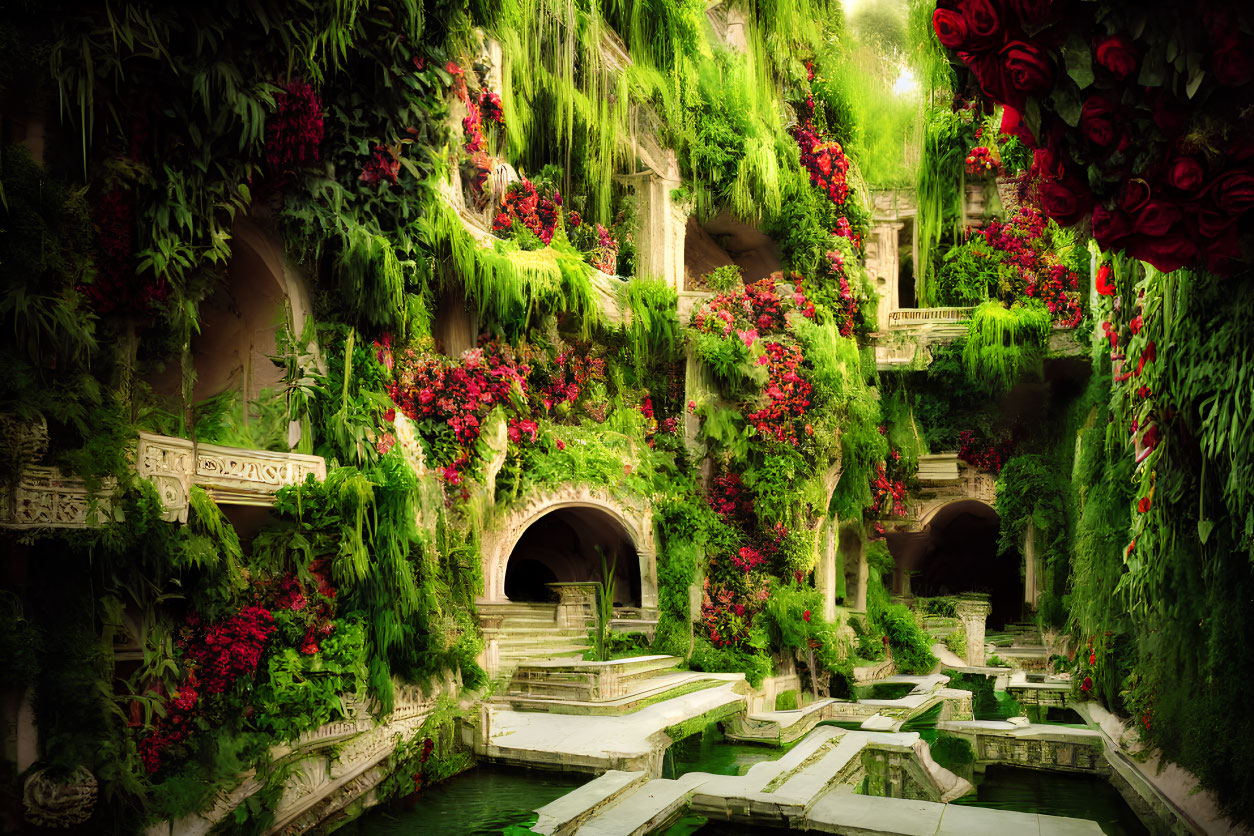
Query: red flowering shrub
x=825, y=161
x=1052, y=286
x=117, y=289
x=787, y=393
x=384, y=164
x=524, y=208
x=452, y=397
x=294, y=131
x=981, y=162
x=729, y=499
x=888, y=494
x=982, y=453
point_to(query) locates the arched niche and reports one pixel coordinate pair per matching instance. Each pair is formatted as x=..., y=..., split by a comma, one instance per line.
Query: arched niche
x=558, y=533
x=240, y=320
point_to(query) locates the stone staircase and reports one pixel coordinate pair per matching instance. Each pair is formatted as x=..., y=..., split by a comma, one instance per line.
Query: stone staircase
x=619, y=686
x=524, y=632
x=1020, y=645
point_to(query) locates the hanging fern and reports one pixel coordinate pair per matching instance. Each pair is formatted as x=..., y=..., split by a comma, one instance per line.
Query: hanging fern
x=1002, y=342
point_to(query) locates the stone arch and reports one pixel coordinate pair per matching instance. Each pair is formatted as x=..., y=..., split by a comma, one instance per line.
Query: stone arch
x=634, y=519
x=240, y=320
x=955, y=551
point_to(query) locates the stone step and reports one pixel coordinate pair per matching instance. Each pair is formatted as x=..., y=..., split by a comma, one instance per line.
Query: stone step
x=540, y=639
x=806, y=784
x=566, y=814
x=545, y=651
x=589, y=681
x=649, y=691
x=647, y=810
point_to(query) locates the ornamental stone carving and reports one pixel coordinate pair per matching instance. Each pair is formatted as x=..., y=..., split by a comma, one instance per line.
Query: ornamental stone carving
x=52, y=803
x=230, y=475
x=44, y=498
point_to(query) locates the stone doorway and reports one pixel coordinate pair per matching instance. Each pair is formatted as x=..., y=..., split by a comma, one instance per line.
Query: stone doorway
x=958, y=553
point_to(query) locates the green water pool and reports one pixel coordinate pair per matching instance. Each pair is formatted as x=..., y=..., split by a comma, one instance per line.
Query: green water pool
x=1055, y=794
x=484, y=801
x=711, y=752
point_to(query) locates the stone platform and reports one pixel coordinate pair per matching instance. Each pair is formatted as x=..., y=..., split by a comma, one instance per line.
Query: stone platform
x=597, y=742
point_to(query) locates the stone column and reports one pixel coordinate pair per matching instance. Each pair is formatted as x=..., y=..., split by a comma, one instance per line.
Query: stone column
x=490, y=658
x=882, y=265
x=576, y=604
x=660, y=245
x=825, y=569
x=973, y=610
x=1031, y=569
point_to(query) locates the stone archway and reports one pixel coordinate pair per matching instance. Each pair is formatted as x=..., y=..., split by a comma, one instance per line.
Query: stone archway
x=956, y=552
x=584, y=516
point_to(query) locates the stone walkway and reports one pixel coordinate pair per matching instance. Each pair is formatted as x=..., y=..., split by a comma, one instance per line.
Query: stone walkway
x=595, y=743
x=808, y=789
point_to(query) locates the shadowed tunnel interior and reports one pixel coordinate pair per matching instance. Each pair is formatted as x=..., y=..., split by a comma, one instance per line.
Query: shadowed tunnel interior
x=566, y=546
x=958, y=553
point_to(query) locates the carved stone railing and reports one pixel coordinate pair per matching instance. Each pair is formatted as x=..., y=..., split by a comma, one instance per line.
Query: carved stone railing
x=906, y=317
x=230, y=475
x=43, y=497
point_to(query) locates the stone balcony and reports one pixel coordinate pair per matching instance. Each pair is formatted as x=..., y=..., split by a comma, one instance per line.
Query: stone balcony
x=43, y=497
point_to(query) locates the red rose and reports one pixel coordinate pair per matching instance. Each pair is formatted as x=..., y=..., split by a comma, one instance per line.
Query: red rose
x=1234, y=192
x=1012, y=125
x=1118, y=55
x=1169, y=116
x=1134, y=195
x=1170, y=252
x=1143, y=505
x=1231, y=63
x=1066, y=200
x=1221, y=251
x=1031, y=68
x=985, y=31
x=1097, y=121
x=1110, y=227
x=990, y=72
x=1212, y=222
x=951, y=28
x=1156, y=217
x=1185, y=174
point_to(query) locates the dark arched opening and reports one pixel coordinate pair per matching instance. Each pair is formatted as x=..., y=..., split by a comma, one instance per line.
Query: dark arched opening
x=958, y=553
x=566, y=546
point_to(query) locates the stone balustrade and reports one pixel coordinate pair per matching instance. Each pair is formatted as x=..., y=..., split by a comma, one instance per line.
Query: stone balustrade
x=43, y=497
x=906, y=317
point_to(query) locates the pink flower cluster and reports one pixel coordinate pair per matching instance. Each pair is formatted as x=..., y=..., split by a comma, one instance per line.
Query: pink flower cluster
x=788, y=396
x=435, y=390
x=758, y=308
x=846, y=312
